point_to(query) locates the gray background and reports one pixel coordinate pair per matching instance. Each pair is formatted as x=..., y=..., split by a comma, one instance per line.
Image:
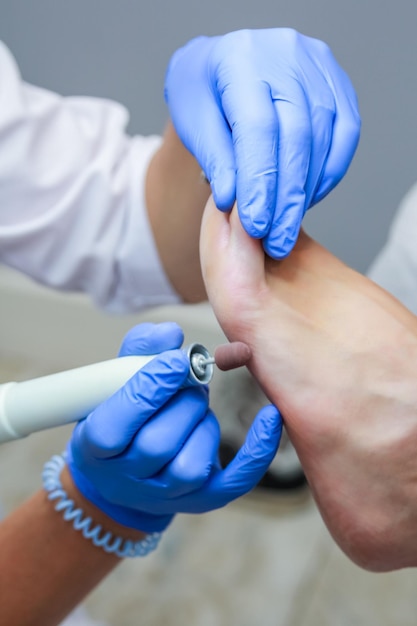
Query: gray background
x=120, y=50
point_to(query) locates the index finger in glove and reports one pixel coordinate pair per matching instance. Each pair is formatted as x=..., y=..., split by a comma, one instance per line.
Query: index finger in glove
x=247, y=468
x=150, y=338
x=255, y=137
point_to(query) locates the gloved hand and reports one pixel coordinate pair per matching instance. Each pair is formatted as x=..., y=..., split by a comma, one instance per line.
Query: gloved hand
x=150, y=450
x=272, y=120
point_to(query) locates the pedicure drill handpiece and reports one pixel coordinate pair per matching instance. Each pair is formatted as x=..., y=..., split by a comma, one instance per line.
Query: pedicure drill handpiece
x=65, y=397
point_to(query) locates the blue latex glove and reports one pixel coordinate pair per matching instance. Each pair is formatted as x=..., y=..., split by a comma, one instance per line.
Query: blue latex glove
x=272, y=120
x=150, y=450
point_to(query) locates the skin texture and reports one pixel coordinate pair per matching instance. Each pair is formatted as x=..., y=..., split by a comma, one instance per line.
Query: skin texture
x=176, y=196
x=51, y=565
x=338, y=356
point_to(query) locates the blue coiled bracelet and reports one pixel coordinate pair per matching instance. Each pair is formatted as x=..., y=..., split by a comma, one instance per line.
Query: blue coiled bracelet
x=102, y=539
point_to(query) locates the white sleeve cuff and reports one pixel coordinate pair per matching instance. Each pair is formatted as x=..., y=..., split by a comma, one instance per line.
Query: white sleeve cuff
x=143, y=279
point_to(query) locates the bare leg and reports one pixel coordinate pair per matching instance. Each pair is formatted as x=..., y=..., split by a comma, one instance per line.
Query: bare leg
x=338, y=356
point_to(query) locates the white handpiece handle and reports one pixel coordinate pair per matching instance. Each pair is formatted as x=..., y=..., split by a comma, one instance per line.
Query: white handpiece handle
x=62, y=398
x=69, y=396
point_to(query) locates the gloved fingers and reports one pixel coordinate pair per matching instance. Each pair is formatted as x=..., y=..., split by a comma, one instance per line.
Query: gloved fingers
x=150, y=338
x=111, y=427
x=247, y=468
x=214, y=150
x=200, y=123
x=196, y=460
x=164, y=436
x=195, y=475
x=346, y=127
x=253, y=459
x=251, y=115
x=345, y=140
x=322, y=122
x=294, y=153
x=181, y=478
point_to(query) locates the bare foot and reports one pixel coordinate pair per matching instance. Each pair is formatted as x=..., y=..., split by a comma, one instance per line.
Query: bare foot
x=338, y=356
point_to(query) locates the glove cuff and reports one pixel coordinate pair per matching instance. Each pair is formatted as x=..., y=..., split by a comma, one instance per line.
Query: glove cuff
x=132, y=518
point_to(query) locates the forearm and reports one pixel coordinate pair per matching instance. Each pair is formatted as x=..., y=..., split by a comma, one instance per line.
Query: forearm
x=47, y=567
x=175, y=198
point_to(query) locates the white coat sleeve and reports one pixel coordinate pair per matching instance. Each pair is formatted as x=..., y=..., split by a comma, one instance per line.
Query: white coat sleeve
x=395, y=267
x=72, y=196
